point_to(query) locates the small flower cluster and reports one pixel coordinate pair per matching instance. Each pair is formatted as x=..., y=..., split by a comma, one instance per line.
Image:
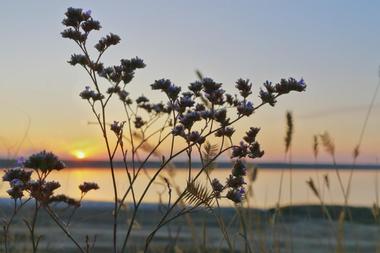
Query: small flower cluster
x=88, y=186
x=79, y=24
x=42, y=190
x=139, y=122
x=123, y=72
x=210, y=107
x=284, y=86
x=42, y=163
x=234, y=183
x=117, y=128
x=166, y=86
x=18, y=179
x=88, y=94
x=213, y=91
x=249, y=147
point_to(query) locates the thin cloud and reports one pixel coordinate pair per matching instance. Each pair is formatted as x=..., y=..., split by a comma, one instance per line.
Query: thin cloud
x=336, y=111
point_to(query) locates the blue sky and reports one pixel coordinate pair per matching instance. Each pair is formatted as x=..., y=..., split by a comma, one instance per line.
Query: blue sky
x=334, y=45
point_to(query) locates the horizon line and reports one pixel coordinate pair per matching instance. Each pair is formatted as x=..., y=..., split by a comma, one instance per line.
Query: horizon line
x=4, y=163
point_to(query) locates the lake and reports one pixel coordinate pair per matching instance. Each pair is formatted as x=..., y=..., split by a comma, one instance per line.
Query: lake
x=265, y=188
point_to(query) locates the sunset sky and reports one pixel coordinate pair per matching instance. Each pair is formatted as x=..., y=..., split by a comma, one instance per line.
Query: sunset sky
x=333, y=45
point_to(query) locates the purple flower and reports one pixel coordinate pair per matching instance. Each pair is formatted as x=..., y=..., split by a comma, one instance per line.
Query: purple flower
x=105, y=42
x=15, y=193
x=178, y=130
x=88, y=186
x=113, y=89
x=142, y=99
x=301, y=81
x=189, y=119
x=221, y=115
x=87, y=13
x=235, y=182
x=44, y=161
x=209, y=85
x=123, y=95
x=269, y=87
x=267, y=97
x=250, y=136
x=162, y=84
x=195, y=136
x=291, y=84
x=87, y=93
x=235, y=195
x=225, y=131
x=196, y=87
x=216, y=185
x=240, y=151
x=20, y=161
x=17, y=173
x=117, y=127
x=244, y=87
x=16, y=183
x=245, y=108
x=139, y=122
x=255, y=151
x=239, y=169
x=185, y=101
x=173, y=91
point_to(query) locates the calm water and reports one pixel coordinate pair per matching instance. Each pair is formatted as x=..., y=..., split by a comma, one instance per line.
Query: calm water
x=265, y=188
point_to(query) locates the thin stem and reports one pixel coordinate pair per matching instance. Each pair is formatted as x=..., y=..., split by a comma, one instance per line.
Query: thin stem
x=162, y=221
x=157, y=173
x=63, y=228
x=129, y=178
x=131, y=138
x=33, y=227
x=142, y=165
x=7, y=224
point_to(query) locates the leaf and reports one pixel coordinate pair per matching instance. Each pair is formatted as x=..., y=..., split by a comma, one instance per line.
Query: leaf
x=197, y=194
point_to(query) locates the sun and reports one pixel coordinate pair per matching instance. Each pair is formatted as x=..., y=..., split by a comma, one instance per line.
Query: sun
x=79, y=154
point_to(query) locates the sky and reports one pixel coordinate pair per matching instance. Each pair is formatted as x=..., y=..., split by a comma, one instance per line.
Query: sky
x=333, y=45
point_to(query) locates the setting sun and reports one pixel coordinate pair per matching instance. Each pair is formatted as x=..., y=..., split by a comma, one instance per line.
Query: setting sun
x=79, y=154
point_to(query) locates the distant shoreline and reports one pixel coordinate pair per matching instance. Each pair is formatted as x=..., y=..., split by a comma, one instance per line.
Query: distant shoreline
x=362, y=214
x=224, y=165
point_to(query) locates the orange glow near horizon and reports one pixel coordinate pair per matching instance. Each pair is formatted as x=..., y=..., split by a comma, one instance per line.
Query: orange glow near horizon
x=79, y=154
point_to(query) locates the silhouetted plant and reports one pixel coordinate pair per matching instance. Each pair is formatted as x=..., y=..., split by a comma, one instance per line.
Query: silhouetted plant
x=185, y=122
x=23, y=189
x=192, y=116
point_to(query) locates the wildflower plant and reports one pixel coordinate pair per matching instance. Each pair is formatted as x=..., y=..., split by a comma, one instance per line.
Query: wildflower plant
x=188, y=119
x=192, y=115
x=29, y=182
